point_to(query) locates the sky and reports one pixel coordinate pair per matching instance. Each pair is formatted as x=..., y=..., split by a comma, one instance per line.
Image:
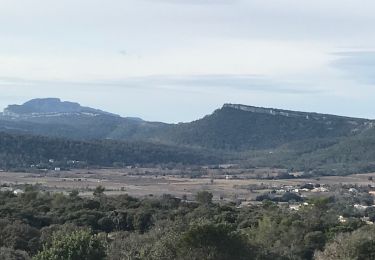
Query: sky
x=178, y=60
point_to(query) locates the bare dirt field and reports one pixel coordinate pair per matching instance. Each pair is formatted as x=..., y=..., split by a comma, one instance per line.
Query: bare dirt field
x=156, y=182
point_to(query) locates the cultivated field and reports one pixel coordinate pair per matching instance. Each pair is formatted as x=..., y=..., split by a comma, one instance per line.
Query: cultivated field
x=142, y=182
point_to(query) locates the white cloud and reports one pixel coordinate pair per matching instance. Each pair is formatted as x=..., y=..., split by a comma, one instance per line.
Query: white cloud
x=292, y=44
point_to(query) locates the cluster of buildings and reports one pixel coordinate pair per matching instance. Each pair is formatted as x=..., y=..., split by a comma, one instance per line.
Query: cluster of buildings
x=309, y=187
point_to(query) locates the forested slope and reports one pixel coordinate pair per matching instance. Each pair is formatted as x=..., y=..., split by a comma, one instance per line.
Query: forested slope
x=24, y=150
x=230, y=128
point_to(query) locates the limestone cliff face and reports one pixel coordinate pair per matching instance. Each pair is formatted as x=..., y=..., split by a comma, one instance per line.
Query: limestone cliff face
x=288, y=113
x=251, y=108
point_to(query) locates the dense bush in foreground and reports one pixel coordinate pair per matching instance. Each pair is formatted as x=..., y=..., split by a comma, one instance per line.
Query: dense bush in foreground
x=44, y=226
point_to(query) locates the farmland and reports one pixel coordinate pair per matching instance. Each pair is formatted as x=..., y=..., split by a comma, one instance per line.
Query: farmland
x=226, y=185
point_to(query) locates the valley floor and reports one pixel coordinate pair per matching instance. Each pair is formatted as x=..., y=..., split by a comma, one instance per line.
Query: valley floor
x=141, y=182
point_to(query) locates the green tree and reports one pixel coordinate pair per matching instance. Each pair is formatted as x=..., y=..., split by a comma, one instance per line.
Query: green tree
x=142, y=221
x=204, y=197
x=216, y=242
x=99, y=191
x=18, y=235
x=12, y=254
x=78, y=245
x=358, y=245
x=74, y=194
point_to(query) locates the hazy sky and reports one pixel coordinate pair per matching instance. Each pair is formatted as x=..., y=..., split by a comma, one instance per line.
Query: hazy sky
x=177, y=60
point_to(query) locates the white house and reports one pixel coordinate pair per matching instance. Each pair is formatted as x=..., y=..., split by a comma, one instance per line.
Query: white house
x=18, y=192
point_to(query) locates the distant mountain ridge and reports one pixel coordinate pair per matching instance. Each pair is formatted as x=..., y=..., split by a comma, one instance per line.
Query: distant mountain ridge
x=233, y=127
x=50, y=107
x=55, y=118
x=239, y=127
x=267, y=137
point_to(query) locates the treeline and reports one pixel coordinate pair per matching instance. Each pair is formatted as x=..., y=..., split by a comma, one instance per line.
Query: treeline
x=17, y=151
x=46, y=226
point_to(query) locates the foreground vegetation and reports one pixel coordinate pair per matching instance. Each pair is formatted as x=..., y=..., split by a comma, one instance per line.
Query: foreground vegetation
x=45, y=226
